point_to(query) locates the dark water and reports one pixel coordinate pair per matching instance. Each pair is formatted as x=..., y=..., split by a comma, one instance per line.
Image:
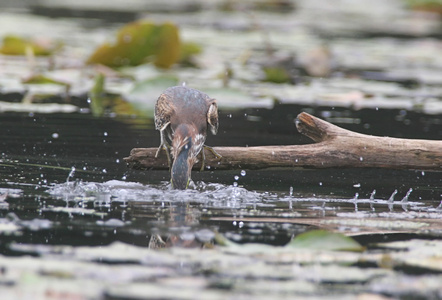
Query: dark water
x=67, y=199
x=63, y=180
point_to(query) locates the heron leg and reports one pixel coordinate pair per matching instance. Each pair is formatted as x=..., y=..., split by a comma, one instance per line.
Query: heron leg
x=203, y=159
x=164, y=146
x=203, y=156
x=216, y=154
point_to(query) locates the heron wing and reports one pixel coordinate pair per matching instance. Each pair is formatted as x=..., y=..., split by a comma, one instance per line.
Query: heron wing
x=212, y=116
x=164, y=110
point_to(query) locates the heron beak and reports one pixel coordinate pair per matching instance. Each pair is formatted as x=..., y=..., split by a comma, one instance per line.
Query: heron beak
x=181, y=168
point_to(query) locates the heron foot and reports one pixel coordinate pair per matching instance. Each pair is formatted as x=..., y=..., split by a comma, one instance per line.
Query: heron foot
x=167, y=150
x=216, y=154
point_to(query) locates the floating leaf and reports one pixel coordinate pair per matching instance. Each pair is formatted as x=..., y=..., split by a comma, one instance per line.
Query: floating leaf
x=14, y=45
x=138, y=43
x=434, y=6
x=325, y=240
x=158, y=84
x=276, y=75
x=100, y=101
x=41, y=79
x=96, y=96
x=188, y=51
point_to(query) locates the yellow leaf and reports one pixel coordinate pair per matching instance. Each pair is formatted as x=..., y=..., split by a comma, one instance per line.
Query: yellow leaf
x=14, y=45
x=140, y=42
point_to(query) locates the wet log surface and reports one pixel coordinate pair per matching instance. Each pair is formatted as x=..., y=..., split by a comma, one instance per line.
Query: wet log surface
x=334, y=147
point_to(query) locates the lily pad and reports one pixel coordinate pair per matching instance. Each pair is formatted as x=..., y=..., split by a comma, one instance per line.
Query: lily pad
x=15, y=45
x=140, y=42
x=41, y=79
x=325, y=240
x=102, y=102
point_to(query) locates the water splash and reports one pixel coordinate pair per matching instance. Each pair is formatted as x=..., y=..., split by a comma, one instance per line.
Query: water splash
x=405, y=199
x=71, y=174
x=355, y=201
x=372, y=195
x=391, y=199
x=439, y=208
x=210, y=194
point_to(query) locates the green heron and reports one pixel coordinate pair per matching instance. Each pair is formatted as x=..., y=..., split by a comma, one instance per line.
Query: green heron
x=182, y=115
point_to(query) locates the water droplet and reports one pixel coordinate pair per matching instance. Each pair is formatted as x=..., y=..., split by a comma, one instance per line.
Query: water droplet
x=117, y=161
x=357, y=185
x=243, y=173
x=320, y=183
x=105, y=133
x=84, y=168
x=124, y=177
x=423, y=173
x=361, y=158
x=89, y=100
x=234, y=223
x=55, y=135
x=183, y=84
x=241, y=224
x=235, y=184
x=236, y=177
x=229, y=115
x=104, y=171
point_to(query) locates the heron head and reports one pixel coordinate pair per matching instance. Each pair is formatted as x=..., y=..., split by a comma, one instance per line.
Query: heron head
x=186, y=145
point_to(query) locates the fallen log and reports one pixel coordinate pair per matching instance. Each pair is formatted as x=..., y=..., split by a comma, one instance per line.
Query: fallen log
x=334, y=147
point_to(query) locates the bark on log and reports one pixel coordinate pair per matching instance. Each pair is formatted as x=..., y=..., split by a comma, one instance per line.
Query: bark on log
x=335, y=147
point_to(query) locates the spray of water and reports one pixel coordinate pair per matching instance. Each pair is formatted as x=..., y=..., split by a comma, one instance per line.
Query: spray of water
x=71, y=174
x=405, y=199
x=372, y=195
x=391, y=199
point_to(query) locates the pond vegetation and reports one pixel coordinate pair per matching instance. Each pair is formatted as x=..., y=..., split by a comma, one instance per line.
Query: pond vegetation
x=78, y=84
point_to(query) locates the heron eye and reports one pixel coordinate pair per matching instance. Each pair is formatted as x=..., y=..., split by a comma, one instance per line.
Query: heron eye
x=186, y=146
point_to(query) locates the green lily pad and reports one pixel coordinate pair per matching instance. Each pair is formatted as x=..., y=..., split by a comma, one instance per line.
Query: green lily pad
x=15, y=45
x=188, y=51
x=158, y=84
x=325, y=240
x=276, y=75
x=140, y=42
x=41, y=79
x=101, y=102
x=97, y=96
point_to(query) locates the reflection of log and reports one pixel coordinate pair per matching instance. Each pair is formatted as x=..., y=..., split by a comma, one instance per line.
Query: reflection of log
x=334, y=148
